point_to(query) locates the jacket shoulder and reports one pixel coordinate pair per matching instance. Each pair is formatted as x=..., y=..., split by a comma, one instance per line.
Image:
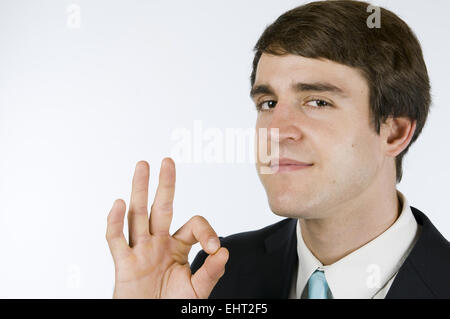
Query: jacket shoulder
x=424, y=274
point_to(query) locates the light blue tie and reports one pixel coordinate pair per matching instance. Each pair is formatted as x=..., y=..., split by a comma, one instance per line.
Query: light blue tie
x=317, y=286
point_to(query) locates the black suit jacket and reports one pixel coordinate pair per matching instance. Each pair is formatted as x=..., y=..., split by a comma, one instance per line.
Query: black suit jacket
x=262, y=264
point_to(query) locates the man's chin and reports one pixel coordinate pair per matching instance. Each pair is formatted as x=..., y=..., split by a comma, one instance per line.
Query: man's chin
x=298, y=207
x=288, y=209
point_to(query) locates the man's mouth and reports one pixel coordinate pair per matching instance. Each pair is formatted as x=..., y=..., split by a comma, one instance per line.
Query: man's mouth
x=287, y=165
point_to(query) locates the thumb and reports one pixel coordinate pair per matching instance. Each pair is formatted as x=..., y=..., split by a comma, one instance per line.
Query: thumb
x=207, y=276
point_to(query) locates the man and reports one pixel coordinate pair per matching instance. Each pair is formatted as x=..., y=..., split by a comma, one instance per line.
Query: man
x=348, y=100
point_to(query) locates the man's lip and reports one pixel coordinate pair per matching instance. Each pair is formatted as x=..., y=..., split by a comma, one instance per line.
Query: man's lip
x=287, y=161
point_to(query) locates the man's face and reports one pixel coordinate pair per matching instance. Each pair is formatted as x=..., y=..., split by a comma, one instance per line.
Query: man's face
x=324, y=122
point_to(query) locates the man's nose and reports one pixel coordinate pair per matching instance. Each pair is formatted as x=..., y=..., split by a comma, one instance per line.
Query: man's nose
x=287, y=119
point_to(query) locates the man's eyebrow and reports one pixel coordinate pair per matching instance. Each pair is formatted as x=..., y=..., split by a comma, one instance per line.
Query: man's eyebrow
x=299, y=87
x=318, y=87
x=260, y=89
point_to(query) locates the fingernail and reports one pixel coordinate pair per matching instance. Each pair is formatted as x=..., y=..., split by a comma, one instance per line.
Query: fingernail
x=213, y=244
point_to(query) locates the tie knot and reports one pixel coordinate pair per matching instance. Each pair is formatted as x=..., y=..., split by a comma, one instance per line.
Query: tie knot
x=317, y=286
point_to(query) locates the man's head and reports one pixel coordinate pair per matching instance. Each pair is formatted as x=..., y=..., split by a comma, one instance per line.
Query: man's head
x=346, y=98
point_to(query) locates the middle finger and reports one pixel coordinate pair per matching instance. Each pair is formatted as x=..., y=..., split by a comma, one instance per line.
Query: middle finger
x=138, y=211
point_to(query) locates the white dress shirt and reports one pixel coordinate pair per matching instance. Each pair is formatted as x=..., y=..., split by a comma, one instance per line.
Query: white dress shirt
x=367, y=272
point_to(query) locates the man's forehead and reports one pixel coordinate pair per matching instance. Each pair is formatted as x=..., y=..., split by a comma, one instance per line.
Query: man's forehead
x=293, y=62
x=289, y=69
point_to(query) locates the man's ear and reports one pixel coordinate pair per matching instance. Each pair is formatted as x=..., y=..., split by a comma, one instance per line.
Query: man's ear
x=397, y=133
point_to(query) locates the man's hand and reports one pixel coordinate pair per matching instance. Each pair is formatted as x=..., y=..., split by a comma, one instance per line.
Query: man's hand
x=155, y=264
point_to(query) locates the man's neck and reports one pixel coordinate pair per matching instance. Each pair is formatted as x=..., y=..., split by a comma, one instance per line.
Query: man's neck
x=351, y=227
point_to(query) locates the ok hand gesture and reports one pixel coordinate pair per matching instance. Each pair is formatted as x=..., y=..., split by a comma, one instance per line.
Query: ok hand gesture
x=154, y=264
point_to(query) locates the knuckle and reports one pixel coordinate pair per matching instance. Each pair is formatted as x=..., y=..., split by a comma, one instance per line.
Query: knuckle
x=142, y=237
x=197, y=219
x=163, y=206
x=108, y=235
x=138, y=211
x=110, y=219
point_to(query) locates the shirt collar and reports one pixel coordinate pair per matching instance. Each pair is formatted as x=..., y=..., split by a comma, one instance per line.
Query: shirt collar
x=362, y=273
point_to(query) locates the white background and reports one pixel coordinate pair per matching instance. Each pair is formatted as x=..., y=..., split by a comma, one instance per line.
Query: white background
x=79, y=108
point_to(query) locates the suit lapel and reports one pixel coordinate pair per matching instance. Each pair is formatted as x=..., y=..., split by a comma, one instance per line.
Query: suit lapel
x=276, y=265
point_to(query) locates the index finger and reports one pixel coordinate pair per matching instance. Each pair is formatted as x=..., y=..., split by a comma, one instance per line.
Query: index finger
x=197, y=229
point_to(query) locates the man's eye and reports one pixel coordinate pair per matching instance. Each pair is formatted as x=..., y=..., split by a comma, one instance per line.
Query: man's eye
x=266, y=105
x=319, y=103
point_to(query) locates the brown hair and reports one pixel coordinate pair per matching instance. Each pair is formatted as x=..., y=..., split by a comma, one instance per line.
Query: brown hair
x=389, y=57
